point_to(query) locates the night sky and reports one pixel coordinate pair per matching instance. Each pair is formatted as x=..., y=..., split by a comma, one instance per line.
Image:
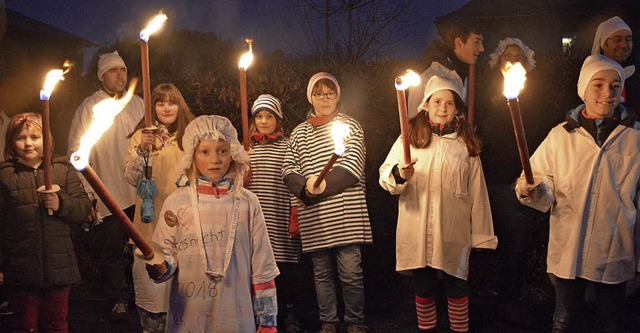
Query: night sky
x=275, y=21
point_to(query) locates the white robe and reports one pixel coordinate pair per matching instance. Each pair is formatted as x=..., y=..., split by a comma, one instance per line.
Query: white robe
x=236, y=247
x=444, y=208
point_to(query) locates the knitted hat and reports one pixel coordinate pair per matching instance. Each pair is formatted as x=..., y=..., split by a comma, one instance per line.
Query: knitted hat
x=269, y=103
x=213, y=128
x=605, y=30
x=494, y=58
x=108, y=61
x=594, y=64
x=317, y=77
x=437, y=83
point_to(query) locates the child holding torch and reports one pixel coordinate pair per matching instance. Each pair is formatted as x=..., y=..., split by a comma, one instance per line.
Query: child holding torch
x=163, y=147
x=586, y=172
x=334, y=221
x=444, y=209
x=213, y=228
x=269, y=145
x=37, y=260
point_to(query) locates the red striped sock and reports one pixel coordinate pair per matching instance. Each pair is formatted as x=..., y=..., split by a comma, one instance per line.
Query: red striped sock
x=458, y=309
x=426, y=310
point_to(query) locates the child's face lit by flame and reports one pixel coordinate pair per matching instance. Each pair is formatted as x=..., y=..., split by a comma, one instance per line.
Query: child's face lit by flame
x=28, y=145
x=602, y=95
x=441, y=107
x=265, y=122
x=213, y=159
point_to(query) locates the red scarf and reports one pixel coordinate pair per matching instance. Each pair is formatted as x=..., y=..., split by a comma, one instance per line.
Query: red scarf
x=211, y=190
x=321, y=120
x=264, y=138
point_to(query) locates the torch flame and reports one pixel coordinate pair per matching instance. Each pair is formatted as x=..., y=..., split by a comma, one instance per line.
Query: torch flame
x=103, y=115
x=52, y=79
x=339, y=132
x=407, y=80
x=514, y=77
x=153, y=26
x=247, y=58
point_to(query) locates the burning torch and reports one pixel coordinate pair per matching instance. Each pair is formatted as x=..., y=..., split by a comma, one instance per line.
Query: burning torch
x=103, y=116
x=245, y=62
x=339, y=131
x=53, y=77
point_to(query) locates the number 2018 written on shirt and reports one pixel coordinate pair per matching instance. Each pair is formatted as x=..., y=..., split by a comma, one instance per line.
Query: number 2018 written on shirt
x=201, y=289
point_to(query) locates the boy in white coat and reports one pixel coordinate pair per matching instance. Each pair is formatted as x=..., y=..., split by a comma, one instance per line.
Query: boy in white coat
x=589, y=177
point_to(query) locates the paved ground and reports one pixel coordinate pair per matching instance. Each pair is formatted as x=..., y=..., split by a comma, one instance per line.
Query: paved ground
x=91, y=313
x=389, y=309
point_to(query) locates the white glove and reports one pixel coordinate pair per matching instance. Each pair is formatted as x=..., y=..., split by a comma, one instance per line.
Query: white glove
x=537, y=195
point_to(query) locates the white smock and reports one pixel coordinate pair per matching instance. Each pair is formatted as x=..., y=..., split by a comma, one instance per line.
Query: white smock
x=444, y=208
x=221, y=249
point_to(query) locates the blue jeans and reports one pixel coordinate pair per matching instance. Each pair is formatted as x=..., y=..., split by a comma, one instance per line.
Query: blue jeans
x=570, y=305
x=348, y=261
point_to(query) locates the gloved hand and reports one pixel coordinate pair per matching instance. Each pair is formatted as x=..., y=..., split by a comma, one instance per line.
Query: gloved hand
x=538, y=195
x=525, y=190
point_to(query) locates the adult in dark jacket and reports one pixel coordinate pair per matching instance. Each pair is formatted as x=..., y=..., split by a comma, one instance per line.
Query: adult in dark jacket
x=37, y=258
x=460, y=47
x=518, y=227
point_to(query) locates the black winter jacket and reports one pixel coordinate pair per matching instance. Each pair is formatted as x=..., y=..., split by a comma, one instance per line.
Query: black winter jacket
x=36, y=250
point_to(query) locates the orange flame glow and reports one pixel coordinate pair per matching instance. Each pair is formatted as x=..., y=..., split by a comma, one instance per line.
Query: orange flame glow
x=153, y=26
x=247, y=58
x=514, y=78
x=407, y=80
x=339, y=132
x=103, y=115
x=52, y=79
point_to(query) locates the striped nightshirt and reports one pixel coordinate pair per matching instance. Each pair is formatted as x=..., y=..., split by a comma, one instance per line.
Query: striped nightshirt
x=341, y=219
x=275, y=198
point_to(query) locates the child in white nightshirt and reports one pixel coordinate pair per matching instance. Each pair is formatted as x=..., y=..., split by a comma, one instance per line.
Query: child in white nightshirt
x=444, y=207
x=219, y=255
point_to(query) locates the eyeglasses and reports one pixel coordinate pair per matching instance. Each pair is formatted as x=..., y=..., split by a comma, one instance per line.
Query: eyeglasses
x=620, y=39
x=320, y=96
